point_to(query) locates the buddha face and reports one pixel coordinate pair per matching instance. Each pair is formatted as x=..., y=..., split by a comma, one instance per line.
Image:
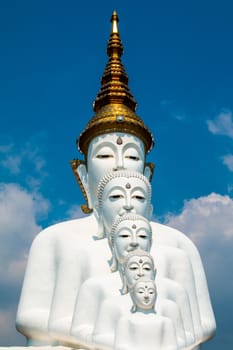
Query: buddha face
x=138, y=267
x=123, y=195
x=112, y=152
x=131, y=235
x=144, y=294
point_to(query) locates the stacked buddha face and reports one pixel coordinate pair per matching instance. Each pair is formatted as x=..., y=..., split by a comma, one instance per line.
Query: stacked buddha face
x=124, y=207
x=144, y=295
x=120, y=193
x=139, y=280
x=128, y=233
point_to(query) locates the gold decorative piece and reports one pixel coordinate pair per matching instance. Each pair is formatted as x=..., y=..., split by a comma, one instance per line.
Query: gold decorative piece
x=114, y=105
x=74, y=165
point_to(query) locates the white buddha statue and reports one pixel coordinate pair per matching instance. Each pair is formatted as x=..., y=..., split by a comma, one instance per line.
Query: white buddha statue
x=114, y=139
x=116, y=310
x=119, y=193
x=145, y=328
x=129, y=232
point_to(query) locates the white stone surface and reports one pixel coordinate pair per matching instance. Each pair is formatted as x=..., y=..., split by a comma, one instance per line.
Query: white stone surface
x=72, y=244
x=66, y=255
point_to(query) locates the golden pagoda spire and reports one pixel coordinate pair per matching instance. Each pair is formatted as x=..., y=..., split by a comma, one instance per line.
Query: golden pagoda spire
x=114, y=83
x=114, y=20
x=114, y=105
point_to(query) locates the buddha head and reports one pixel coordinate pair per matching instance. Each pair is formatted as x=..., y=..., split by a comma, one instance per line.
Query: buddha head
x=128, y=233
x=114, y=151
x=119, y=193
x=115, y=138
x=144, y=295
x=136, y=264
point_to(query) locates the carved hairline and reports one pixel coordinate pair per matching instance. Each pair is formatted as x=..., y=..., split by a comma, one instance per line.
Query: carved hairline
x=127, y=217
x=75, y=164
x=143, y=279
x=121, y=173
x=137, y=252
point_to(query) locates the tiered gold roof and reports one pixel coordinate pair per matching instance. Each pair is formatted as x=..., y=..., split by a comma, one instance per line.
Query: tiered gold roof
x=114, y=105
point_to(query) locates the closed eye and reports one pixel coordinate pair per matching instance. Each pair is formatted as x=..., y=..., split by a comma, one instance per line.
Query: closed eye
x=132, y=158
x=142, y=236
x=116, y=197
x=140, y=198
x=103, y=156
x=147, y=268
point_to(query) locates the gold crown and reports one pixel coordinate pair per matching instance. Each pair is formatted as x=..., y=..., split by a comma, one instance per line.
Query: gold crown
x=114, y=105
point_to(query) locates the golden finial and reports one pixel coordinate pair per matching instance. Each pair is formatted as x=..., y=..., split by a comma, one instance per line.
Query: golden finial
x=114, y=20
x=114, y=105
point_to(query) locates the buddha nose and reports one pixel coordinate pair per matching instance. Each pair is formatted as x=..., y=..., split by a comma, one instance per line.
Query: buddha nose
x=119, y=164
x=134, y=244
x=140, y=272
x=128, y=205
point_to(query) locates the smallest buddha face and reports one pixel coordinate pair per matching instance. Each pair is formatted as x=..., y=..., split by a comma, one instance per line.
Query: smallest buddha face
x=131, y=235
x=138, y=267
x=144, y=295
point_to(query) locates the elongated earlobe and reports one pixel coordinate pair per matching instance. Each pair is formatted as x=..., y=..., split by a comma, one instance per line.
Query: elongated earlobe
x=150, y=211
x=99, y=219
x=124, y=289
x=149, y=171
x=114, y=264
x=134, y=308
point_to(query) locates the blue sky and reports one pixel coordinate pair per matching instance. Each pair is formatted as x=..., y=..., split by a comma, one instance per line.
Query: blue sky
x=178, y=55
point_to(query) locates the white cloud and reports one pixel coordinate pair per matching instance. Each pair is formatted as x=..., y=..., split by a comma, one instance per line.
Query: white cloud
x=222, y=124
x=208, y=222
x=8, y=335
x=204, y=217
x=12, y=163
x=19, y=211
x=20, y=159
x=228, y=161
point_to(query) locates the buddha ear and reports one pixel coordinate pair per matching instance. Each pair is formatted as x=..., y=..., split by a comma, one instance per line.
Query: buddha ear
x=134, y=308
x=124, y=289
x=80, y=172
x=114, y=263
x=149, y=170
x=150, y=211
x=99, y=219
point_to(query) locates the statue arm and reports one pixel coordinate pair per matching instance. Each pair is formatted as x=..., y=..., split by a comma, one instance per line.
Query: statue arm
x=172, y=290
x=106, y=323
x=203, y=297
x=37, y=292
x=86, y=311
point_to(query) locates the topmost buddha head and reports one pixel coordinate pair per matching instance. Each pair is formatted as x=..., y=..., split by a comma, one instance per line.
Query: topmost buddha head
x=115, y=138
